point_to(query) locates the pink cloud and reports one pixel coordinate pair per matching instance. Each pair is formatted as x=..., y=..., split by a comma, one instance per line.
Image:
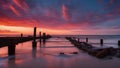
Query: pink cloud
x=15, y=10
x=22, y=4
x=66, y=13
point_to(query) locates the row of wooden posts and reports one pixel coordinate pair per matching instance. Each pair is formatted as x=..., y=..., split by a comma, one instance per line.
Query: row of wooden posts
x=101, y=41
x=12, y=46
x=94, y=51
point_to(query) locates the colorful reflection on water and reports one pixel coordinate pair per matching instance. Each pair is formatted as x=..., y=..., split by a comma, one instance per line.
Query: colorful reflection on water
x=47, y=56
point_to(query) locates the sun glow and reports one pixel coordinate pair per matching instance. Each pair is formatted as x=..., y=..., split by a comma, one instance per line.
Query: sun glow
x=29, y=30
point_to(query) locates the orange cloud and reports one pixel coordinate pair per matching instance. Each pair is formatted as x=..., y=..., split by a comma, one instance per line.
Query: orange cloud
x=19, y=22
x=7, y=31
x=29, y=30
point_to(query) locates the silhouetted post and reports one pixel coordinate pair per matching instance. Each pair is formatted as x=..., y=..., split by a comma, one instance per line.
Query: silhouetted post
x=34, y=43
x=101, y=41
x=11, y=49
x=78, y=39
x=119, y=43
x=44, y=38
x=86, y=40
x=40, y=38
x=40, y=35
x=21, y=35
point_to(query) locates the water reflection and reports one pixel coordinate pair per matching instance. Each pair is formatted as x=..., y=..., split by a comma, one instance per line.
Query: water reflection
x=11, y=62
x=28, y=57
x=40, y=42
x=44, y=41
x=34, y=50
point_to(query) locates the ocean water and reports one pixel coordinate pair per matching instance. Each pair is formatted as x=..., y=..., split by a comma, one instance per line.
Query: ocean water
x=108, y=40
x=47, y=55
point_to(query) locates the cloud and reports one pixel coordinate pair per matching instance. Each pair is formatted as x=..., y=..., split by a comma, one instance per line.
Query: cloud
x=7, y=31
x=15, y=10
x=60, y=14
x=66, y=12
x=22, y=4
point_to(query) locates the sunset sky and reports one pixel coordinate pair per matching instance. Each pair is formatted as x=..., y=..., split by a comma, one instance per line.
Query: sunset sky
x=86, y=17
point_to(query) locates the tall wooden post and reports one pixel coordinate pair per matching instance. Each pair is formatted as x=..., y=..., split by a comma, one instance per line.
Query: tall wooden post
x=11, y=49
x=44, y=38
x=101, y=41
x=21, y=35
x=34, y=43
x=78, y=39
x=86, y=40
x=119, y=43
x=40, y=36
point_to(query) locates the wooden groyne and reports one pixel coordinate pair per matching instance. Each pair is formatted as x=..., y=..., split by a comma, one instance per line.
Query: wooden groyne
x=5, y=41
x=94, y=51
x=11, y=42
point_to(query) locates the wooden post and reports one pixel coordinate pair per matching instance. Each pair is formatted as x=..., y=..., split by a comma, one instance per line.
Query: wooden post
x=40, y=34
x=21, y=35
x=11, y=49
x=119, y=43
x=86, y=40
x=101, y=41
x=78, y=39
x=44, y=35
x=34, y=43
x=40, y=38
x=44, y=38
x=34, y=35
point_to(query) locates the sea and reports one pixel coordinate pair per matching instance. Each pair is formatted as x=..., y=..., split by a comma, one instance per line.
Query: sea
x=47, y=55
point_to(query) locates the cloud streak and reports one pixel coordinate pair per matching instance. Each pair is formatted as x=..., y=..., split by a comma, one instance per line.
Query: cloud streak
x=61, y=14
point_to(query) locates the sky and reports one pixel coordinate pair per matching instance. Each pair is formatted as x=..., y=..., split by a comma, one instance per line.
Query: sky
x=60, y=17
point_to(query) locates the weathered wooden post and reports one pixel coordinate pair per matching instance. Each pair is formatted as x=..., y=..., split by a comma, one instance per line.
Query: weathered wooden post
x=101, y=41
x=119, y=43
x=44, y=35
x=21, y=35
x=78, y=39
x=11, y=49
x=34, y=50
x=40, y=36
x=34, y=43
x=86, y=40
x=44, y=38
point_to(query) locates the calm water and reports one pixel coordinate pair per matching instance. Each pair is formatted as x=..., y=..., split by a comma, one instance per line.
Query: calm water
x=48, y=56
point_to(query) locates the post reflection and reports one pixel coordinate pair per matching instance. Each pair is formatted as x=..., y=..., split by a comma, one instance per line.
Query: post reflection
x=11, y=62
x=34, y=51
x=42, y=43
